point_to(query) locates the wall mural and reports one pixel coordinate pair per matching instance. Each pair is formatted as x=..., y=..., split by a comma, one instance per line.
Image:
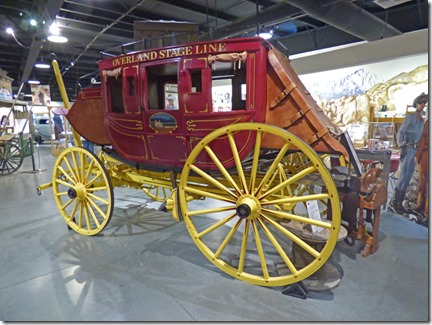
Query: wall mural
x=348, y=95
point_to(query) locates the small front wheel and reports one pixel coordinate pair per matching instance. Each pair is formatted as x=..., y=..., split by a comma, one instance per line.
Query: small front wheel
x=82, y=191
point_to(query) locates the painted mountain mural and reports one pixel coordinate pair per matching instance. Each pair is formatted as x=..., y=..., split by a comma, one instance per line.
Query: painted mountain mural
x=352, y=84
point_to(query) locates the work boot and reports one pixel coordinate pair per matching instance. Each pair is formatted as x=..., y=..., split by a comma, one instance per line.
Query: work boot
x=395, y=205
x=419, y=214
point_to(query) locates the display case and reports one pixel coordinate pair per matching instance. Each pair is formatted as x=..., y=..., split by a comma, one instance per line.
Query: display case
x=381, y=136
x=373, y=136
x=358, y=133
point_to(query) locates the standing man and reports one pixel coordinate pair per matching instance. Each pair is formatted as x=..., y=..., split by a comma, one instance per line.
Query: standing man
x=408, y=138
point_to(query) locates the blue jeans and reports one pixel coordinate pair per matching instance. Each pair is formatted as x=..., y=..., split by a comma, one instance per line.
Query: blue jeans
x=406, y=169
x=88, y=145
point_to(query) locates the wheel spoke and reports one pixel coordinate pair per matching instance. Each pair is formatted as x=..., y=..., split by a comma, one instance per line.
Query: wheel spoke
x=83, y=163
x=255, y=161
x=272, y=167
x=75, y=178
x=212, y=181
x=216, y=225
x=279, y=249
x=238, y=162
x=95, y=219
x=89, y=169
x=260, y=250
x=80, y=215
x=66, y=174
x=228, y=238
x=98, y=198
x=243, y=247
x=296, y=199
x=212, y=210
x=74, y=210
x=200, y=192
x=64, y=206
x=77, y=168
x=59, y=181
x=98, y=174
x=87, y=219
x=98, y=209
x=293, y=237
x=96, y=189
x=288, y=182
x=290, y=216
x=222, y=168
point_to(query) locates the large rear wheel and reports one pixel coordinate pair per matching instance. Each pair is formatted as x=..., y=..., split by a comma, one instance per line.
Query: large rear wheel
x=250, y=222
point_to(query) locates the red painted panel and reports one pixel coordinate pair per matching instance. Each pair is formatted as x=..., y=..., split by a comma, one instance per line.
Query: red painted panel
x=149, y=133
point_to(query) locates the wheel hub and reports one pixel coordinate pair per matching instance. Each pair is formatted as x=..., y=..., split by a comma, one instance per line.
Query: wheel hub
x=79, y=191
x=248, y=207
x=72, y=193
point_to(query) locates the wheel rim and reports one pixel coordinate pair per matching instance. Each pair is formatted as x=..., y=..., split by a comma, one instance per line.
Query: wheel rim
x=246, y=234
x=10, y=158
x=83, y=191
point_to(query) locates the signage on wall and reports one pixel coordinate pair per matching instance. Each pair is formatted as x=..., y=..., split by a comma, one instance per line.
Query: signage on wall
x=41, y=95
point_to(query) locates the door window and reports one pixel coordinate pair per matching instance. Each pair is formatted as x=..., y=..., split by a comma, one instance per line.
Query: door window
x=162, y=83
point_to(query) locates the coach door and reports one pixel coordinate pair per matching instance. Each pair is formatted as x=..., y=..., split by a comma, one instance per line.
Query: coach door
x=162, y=113
x=123, y=118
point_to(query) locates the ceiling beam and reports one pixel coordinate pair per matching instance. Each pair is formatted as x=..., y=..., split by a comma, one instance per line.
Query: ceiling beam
x=347, y=17
x=273, y=15
x=47, y=11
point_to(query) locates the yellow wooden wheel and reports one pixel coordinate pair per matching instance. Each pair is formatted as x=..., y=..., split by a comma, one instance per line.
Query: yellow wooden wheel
x=244, y=229
x=82, y=191
x=157, y=193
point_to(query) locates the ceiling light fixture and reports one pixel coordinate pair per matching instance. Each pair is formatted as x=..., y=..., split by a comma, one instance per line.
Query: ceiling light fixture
x=10, y=31
x=41, y=64
x=55, y=35
x=266, y=35
x=33, y=82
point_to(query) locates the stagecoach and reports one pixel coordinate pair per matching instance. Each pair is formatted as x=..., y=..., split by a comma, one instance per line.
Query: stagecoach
x=226, y=121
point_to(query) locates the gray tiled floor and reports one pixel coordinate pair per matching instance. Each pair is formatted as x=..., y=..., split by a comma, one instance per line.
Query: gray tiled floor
x=145, y=267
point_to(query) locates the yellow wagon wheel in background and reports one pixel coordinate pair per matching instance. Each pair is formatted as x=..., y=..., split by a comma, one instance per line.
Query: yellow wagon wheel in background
x=82, y=191
x=156, y=193
x=242, y=229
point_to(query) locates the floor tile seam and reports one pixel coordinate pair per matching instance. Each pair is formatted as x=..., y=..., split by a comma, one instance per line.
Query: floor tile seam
x=36, y=277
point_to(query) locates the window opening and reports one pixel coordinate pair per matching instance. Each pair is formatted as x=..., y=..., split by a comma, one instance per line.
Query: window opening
x=228, y=86
x=131, y=82
x=196, y=80
x=171, y=97
x=222, y=95
x=162, y=82
x=116, y=94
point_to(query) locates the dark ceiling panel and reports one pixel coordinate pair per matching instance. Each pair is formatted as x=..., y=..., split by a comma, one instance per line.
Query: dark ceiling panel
x=296, y=28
